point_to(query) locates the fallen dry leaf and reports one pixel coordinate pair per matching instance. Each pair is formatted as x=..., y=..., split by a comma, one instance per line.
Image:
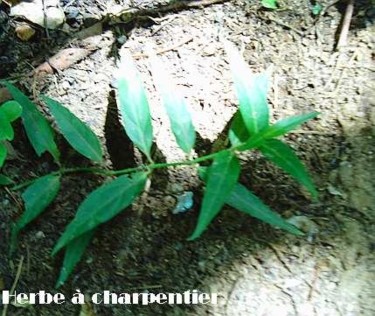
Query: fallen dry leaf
x=4, y=95
x=24, y=32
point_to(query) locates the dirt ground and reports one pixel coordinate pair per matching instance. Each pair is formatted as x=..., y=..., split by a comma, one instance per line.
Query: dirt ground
x=255, y=268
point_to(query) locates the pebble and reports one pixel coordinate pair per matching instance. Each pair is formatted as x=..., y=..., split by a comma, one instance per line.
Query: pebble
x=184, y=202
x=40, y=235
x=71, y=13
x=65, y=85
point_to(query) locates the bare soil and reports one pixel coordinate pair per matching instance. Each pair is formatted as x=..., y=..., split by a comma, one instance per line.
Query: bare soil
x=257, y=269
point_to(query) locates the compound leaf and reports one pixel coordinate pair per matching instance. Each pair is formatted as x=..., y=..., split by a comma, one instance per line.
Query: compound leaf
x=133, y=105
x=3, y=153
x=76, y=132
x=283, y=156
x=12, y=110
x=286, y=125
x=174, y=102
x=251, y=92
x=73, y=254
x=222, y=175
x=243, y=200
x=101, y=205
x=37, y=128
x=36, y=198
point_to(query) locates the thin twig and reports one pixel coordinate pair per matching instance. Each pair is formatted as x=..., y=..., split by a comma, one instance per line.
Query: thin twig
x=161, y=26
x=167, y=49
x=345, y=25
x=45, y=18
x=13, y=197
x=18, y=274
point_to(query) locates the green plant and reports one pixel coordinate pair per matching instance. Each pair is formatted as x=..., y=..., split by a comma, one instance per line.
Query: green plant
x=9, y=112
x=316, y=8
x=269, y=4
x=250, y=130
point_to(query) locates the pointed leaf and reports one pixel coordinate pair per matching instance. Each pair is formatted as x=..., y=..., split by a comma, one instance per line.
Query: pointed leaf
x=179, y=116
x=73, y=254
x=279, y=128
x=3, y=153
x=283, y=156
x=251, y=91
x=286, y=125
x=12, y=110
x=101, y=205
x=221, y=177
x=243, y=200
x=37, y=128
x=36, y=198
x=133, y=105
x=238, y=133
x=6, y=129
x=76, y=132
x=4, y=180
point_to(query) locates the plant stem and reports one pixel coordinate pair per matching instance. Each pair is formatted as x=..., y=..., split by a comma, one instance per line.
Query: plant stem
x=109, y=173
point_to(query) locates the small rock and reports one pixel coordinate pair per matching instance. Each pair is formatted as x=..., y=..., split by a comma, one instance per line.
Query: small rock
x=65, y=85
x=40, y=235
x=306, y=225
x=332, y=190
x=209, y=50
x=122, y=39
x=34, y=12
x=71, y=13
x=184, y=202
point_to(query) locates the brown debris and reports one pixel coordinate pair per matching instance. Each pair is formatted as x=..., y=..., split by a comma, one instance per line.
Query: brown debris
x=4, y=95
x=24, y=32
x=62, y=60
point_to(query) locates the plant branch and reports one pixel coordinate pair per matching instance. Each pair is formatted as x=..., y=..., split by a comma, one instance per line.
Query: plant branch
x=345, y=25
x=110, y=173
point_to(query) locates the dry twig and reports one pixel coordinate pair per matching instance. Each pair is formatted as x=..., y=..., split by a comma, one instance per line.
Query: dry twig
x=345, y=24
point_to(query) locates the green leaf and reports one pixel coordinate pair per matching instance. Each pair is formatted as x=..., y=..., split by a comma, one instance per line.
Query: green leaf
x=3, y=153
x=36, y=198
x=174, y=102
x=4, y=180
x=101, y=205
x=283, y=156
x=243, y=200
x=238, y=133
x=77, y=133
x=73, y=254
x=251, y=92
x=12, y=110
x=6, y=129
x=37, y=128
x=286, y=125
x=279, y=128
x=317, y=9
x=269, y=4
x=133, y=105
x=221, y=177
